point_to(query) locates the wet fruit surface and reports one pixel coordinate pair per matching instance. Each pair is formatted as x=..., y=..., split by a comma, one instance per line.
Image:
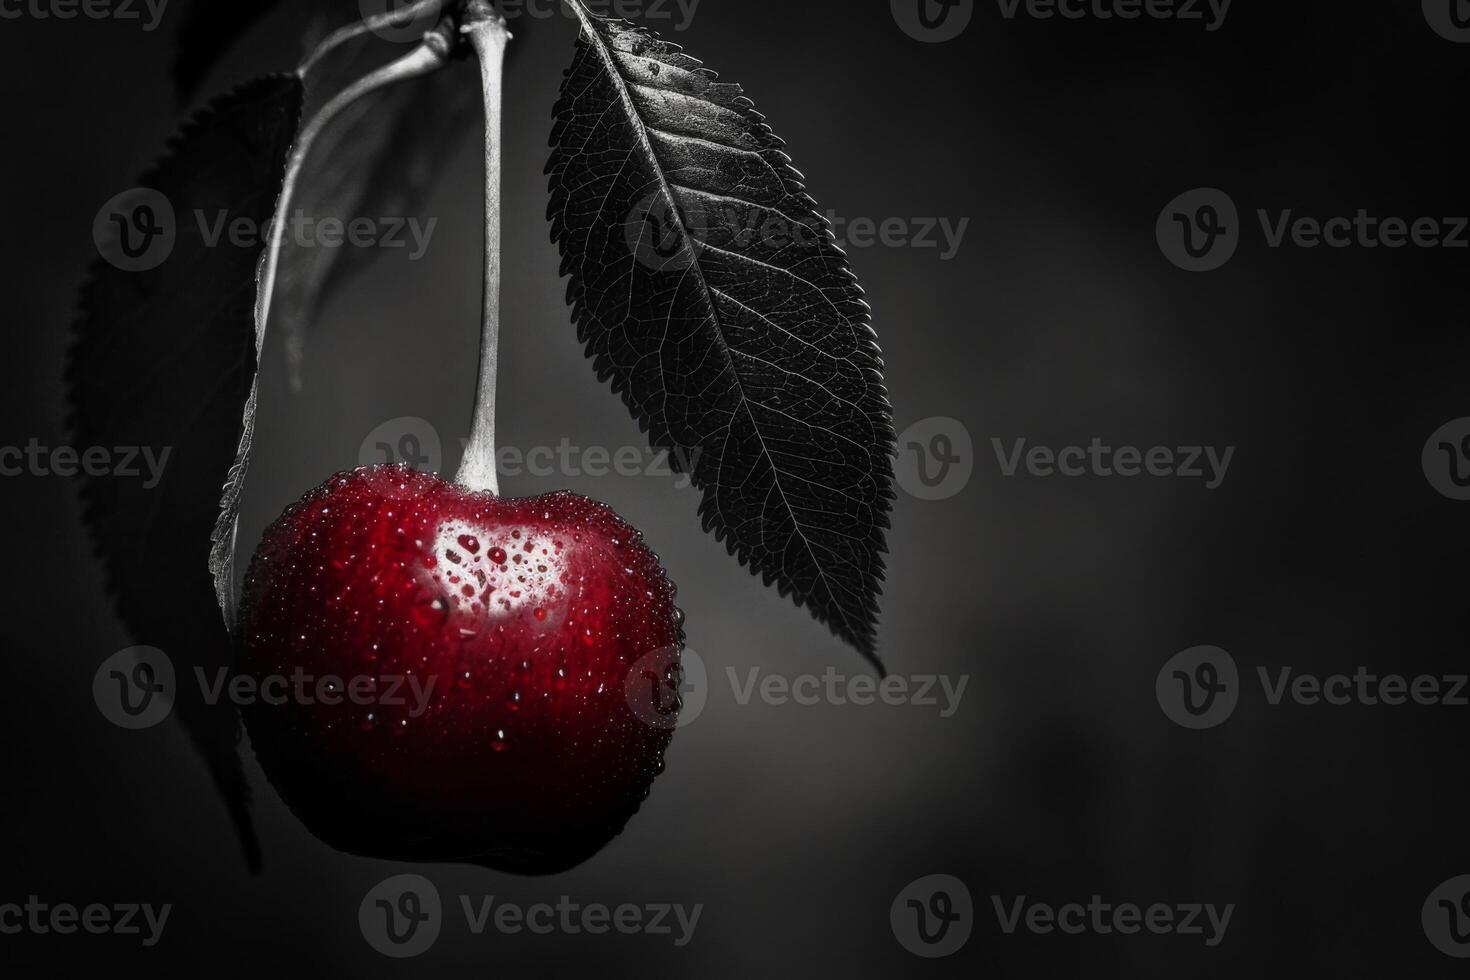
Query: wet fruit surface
x=449, y=669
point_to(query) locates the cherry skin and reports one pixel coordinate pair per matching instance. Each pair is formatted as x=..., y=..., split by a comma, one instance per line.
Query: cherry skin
x=520, y=635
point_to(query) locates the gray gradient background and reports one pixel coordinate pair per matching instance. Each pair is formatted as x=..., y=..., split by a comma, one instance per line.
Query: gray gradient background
x=1060, y=320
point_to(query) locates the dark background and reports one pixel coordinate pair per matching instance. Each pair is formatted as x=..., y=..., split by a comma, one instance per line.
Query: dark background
x=1059, y=320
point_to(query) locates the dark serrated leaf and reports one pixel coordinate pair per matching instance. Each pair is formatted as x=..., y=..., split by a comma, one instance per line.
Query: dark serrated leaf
x=165, y=358
x=709, y=291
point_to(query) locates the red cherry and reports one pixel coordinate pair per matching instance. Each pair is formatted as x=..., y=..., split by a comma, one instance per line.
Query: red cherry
x=525, y=615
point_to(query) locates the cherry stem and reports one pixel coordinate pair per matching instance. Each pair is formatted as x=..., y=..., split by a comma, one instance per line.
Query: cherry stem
x=487, y=32
x=393, y=18
x=431, y=55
